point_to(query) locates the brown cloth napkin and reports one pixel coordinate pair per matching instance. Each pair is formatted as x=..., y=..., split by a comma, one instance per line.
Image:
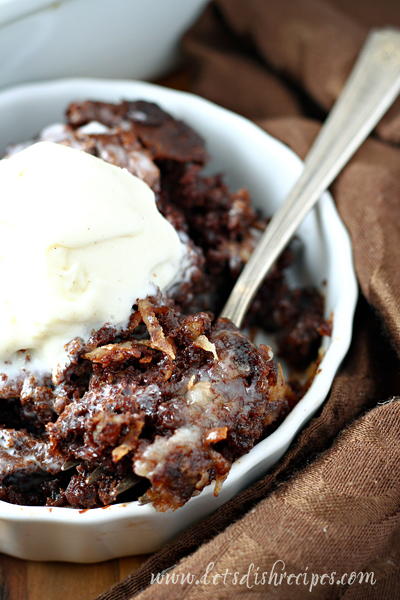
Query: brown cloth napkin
x=332, y=503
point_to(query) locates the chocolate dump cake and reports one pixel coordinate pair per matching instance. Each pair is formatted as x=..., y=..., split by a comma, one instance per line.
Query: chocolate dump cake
x=160, y=408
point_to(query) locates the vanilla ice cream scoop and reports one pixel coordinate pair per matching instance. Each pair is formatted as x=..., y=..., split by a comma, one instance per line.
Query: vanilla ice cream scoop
x=80, y=241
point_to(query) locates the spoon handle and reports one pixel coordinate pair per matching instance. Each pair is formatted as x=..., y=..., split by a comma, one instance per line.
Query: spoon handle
x=371, y=88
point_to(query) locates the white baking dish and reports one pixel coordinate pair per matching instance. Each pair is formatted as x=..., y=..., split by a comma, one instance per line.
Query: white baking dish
x=40, y=39
x=250, y=158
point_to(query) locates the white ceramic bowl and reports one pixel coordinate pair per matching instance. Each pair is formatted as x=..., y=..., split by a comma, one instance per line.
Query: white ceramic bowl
x=41, y=39
x=250, y=158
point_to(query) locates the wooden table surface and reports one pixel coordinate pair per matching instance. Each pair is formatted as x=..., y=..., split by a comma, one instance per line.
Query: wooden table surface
x=28, y=580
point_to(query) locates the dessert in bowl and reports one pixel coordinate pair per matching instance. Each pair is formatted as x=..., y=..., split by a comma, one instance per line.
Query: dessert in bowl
x=162, y=402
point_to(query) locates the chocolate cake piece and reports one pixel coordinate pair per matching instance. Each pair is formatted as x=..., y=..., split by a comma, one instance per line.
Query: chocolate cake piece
x=163, y=135
x=159, y=410
x=28, y=470
x=179, y=386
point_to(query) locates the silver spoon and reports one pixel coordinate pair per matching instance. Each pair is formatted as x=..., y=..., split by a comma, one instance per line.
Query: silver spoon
x=372, y=87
